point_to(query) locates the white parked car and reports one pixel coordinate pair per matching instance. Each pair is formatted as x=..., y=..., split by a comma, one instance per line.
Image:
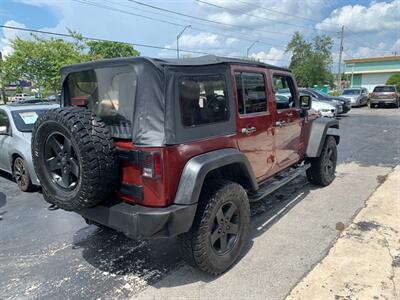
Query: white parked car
x=324, y=108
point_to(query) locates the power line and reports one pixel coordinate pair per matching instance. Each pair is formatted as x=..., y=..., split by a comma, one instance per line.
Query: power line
x=202, y=19
x=255, y=16
x=105, y=40
x=308, y=19
x=203, y=30
x=290, y=15
x=98, y=39
x=172, y=23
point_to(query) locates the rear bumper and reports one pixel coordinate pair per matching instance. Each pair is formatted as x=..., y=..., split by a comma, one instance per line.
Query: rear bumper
x=383, y=101
x=137, y=221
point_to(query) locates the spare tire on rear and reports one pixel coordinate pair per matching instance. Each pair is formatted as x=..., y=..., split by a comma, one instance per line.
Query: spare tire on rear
x=74, y=158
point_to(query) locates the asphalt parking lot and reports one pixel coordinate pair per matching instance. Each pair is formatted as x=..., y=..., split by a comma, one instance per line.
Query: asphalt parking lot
x=54, y=254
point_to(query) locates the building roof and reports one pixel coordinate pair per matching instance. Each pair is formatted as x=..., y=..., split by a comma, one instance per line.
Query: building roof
x=372, y=59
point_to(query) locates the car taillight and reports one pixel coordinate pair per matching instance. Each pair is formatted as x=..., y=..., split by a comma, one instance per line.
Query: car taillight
x=151, y=165
x=393, y=94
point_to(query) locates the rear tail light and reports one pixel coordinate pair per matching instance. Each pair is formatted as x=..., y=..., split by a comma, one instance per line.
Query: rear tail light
x=151, y=165
x=393, y=94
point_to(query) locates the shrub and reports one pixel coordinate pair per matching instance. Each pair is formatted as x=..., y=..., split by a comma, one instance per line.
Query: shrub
x=394, y=80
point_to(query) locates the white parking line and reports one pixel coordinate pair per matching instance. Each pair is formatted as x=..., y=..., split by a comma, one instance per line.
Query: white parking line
x=279, y=212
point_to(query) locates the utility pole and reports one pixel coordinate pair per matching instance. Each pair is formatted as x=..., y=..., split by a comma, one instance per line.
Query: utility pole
x=248, y=48
x=339, y=86
x=178, y=37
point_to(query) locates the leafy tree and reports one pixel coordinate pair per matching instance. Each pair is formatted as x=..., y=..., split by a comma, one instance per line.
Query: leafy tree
x=311, y=61
x=395, y=80
x=39, y=60
x=2, y=81
x=105, y=49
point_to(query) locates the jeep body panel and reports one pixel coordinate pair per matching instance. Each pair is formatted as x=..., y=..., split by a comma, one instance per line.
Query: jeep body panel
x=288, y=125
x=320, y=128
x=256, y=130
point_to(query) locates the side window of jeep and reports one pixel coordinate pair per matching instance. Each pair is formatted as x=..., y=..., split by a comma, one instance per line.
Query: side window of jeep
x=285, y=95
x=251, y=93
x=203, y=99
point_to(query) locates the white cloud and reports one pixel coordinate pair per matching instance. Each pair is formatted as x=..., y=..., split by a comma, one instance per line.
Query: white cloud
x=378, y=16
x=273, y=56
x=231, y=41
x=199, y=40
x=10, y=34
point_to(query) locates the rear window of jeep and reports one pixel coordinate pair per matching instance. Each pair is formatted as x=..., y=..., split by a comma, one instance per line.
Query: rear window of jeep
x=203, y=99
x=109, y=93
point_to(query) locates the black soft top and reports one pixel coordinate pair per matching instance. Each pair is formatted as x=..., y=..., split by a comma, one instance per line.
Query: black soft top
x=156, y=119
x=206, y=60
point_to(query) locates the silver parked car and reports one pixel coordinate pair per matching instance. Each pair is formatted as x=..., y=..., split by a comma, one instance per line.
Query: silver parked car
x=357, y=96
x=16, y=123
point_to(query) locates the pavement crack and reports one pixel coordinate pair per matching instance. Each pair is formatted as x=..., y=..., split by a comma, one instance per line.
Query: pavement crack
x=392, y=275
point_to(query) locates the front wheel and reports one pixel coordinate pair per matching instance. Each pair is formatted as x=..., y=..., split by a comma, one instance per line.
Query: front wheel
x=322, y=170
x=220, y=228
x=21, y=175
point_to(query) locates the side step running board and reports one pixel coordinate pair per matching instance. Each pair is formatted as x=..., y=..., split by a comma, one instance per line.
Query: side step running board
x=276, y=182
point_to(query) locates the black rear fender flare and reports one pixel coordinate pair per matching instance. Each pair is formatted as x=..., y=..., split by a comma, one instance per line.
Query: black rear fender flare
x=198, y=167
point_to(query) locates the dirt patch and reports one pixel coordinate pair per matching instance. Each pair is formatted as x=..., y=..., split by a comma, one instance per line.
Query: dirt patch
x=367, y=226
x=381, y=178
x=396, y=262
x=340, y=226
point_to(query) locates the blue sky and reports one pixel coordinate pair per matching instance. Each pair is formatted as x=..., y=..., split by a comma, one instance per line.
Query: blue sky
x=371, y=28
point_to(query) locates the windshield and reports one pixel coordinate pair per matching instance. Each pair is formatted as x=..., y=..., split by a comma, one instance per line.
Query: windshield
x=384, y=89
x=351, y=92
x=107, y=92
x=25, y=119
x=320, y=94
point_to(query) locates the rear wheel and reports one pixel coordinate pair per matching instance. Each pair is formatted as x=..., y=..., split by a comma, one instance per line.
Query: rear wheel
x=21, y=175
x=322, y=170
x=220, y=228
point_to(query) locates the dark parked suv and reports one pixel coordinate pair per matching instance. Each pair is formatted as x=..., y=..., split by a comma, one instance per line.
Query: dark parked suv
x=385, y=95
x=161, y=148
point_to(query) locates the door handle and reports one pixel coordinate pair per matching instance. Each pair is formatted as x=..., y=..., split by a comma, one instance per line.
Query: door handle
x=248, y=130
x=280, y=123
x=289, y=114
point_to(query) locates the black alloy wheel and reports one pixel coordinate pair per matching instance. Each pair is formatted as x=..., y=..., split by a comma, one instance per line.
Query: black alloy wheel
x=226, y=228
x=329, y=162
x=322, y=170
x=62, y=162
x=21, y=175
x=220, y=228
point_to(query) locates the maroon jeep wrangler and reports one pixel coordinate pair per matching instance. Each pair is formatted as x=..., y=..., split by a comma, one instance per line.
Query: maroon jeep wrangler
x=161, y=148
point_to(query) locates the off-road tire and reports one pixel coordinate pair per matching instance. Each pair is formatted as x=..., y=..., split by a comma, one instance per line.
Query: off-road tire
x=317, y=173
x=94, y=157
x=21, y=175
x=195, y=246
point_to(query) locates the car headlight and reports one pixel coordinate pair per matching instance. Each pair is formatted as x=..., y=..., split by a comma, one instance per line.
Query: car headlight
x=325, y=110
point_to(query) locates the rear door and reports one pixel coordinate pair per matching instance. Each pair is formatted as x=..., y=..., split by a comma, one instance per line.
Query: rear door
x=254, y=118
x=288, y=121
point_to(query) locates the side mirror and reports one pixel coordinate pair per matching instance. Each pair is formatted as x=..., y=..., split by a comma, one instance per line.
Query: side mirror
x=305, y=101
x=3, y=130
